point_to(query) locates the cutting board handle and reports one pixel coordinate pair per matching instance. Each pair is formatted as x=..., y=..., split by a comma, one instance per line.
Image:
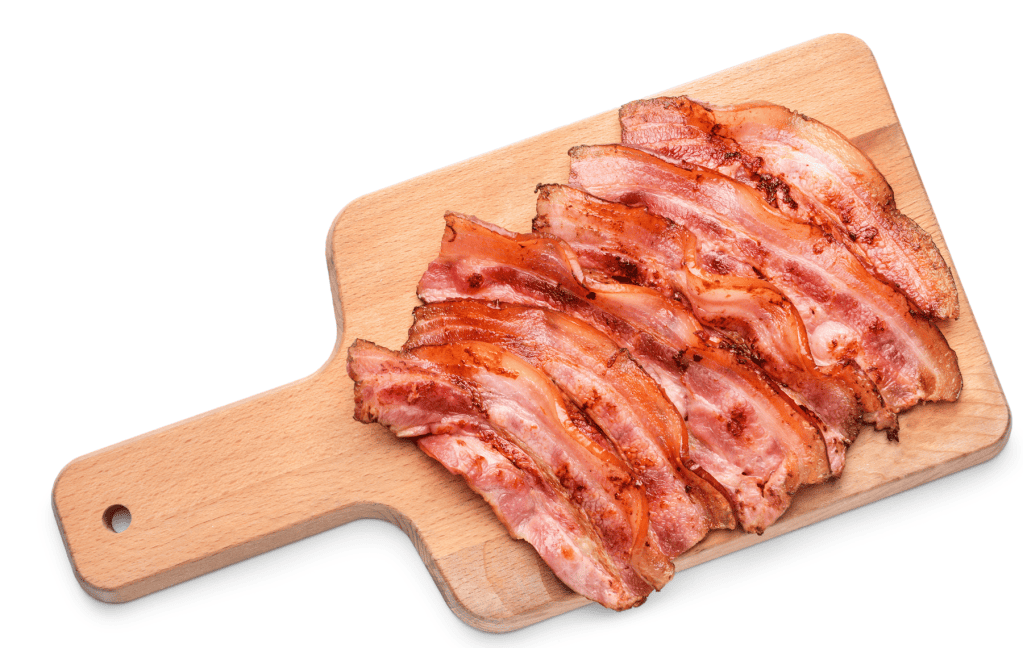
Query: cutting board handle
x=217, y=488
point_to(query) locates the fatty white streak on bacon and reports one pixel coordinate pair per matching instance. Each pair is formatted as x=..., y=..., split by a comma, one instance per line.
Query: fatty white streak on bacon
x=755, y=442
x=634, y=246
x=811, y=173
x=531, y=511
x=415, y=398
x=528, y=407
x=605, y=382
x=736, y=393
x=848, y=313
x=527, y=413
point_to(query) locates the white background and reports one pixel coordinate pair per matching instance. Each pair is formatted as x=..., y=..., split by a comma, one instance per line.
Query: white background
x=168, y=173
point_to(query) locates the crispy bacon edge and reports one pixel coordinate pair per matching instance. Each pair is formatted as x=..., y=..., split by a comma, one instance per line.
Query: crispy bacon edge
x=810, y=172
x=604, y=381
x=480, y=261
x=848, y=313
x=448, y=414
x=637, y=247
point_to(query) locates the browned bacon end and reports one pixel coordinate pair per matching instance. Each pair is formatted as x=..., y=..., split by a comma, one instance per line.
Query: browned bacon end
x=810, y=172
x=753, y=440
x=849, y=314
x=634, y=246
x=551, y=482
x=605, y=382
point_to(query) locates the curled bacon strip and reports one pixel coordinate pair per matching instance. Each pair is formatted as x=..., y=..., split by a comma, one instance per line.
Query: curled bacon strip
x=744, y=431
x=480, y=390
x=605, y=382
x=634, y=246
x=847, y=312
x=810, y=172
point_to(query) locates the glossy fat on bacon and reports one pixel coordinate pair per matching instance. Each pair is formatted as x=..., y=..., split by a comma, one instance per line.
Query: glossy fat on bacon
x=636, y=247
x=724, y=387
x=534, y=512
x=810, y=172
x=581, y=486
x=744, y=432
x=847, y=312
x=413, y=398
x=524, y=403
x=605, y=382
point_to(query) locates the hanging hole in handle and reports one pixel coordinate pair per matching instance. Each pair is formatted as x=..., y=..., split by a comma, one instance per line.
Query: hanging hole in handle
x=117, y=518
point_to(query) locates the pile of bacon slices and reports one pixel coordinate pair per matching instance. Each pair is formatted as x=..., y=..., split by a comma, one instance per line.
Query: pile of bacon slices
x=698, y=325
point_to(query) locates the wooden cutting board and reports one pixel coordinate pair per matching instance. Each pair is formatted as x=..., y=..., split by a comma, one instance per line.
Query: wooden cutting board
x=280, y=466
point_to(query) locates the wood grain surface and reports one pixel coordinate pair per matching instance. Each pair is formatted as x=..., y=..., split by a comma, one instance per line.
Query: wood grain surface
x=280, y=466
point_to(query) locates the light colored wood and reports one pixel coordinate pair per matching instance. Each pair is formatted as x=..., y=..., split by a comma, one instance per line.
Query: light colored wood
x=280, y=466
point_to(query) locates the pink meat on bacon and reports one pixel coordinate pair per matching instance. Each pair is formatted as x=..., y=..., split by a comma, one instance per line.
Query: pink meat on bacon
x=811, y=173
x=849, y=315
x=605, y=382
x=634, y=246
x=744, y=432
x=549, y=478
x=532, y=511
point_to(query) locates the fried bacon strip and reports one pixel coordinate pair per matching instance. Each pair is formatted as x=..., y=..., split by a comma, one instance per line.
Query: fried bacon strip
x=634, y=246
x=808, y=171
x=518, y=419
x=605, y=382
x=533, y=511
x=849, y=315
x=744, y=431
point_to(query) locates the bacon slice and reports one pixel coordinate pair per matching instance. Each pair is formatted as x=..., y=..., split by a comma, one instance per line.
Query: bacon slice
x=547, y=475
x=634, y=246
x=605, y=382
x=532, y=511
x=811, y=173
x=748, y=435
x=848, y=313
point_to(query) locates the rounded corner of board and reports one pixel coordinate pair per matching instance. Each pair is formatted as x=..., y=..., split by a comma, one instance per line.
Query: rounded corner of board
x=841, y=41
x=101, y=594
x=332, y=230
x=483, y=622
x=849, y=39
x=1003, y=438
x=56, y=491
